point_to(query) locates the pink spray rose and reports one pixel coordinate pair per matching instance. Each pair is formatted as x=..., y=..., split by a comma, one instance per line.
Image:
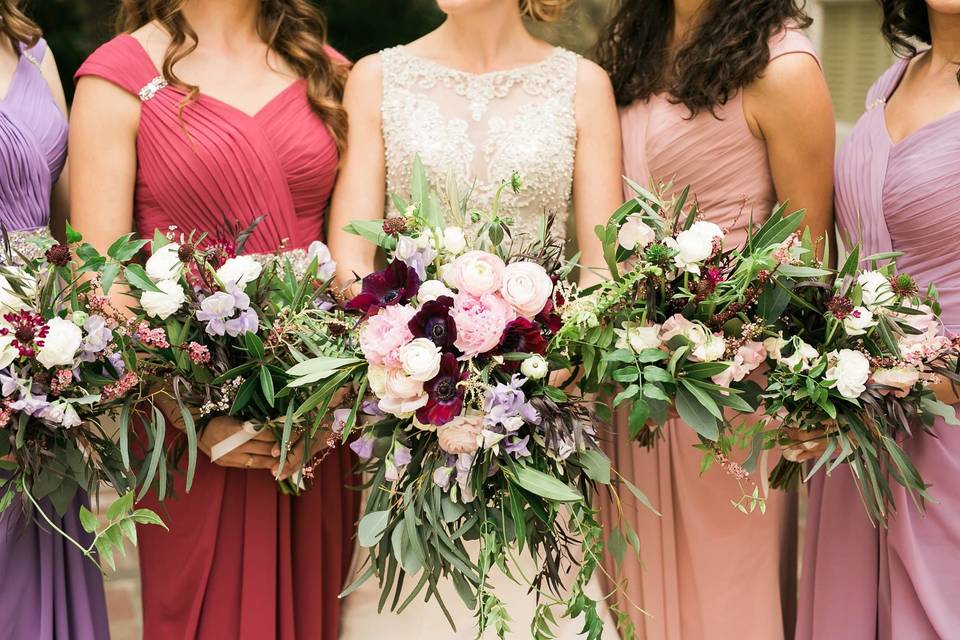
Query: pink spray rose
x=527, y=287
x=480, y=322
x=402, y=395
x=476, y=273
x=675, y=325
x=745, y=361
x=460, y=436
x=383, y=335
x=902, y=379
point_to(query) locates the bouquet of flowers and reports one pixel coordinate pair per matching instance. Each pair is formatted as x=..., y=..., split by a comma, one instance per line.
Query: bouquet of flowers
x=228, y=330
x=850, y=371
x=67, y=367
x=471, y=453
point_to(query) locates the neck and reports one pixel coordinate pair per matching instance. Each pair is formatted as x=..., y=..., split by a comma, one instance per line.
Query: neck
x=225, y=21
x=479, y=39
x=686, y=14
x=945, y=37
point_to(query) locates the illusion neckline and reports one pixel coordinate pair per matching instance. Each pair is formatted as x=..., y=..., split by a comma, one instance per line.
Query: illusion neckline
x=512, y=71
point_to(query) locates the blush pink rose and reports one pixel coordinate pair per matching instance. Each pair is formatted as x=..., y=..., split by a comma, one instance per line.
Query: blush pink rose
x=476, y=273
x=902, y=379
x=480, y=322
x=527, y=287
x=461, y=435
x=402, y=395
x=675, y=325
x=747, y=359
x=383, y=335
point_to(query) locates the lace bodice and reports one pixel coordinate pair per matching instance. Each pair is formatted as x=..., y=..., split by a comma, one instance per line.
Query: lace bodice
x=480, y=129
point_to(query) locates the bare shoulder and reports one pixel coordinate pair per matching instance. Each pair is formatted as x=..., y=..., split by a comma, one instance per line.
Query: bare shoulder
x=365, y=85
x=48, y=67
x=594, y=99
x=591, y=77
x=367, y=70
x=787, y=75
x=154, y=39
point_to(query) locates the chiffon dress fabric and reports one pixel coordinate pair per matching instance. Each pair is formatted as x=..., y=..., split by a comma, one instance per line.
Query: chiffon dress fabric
x=51, y=590
x=861, y=582
x=706, y=570
x=240, y=560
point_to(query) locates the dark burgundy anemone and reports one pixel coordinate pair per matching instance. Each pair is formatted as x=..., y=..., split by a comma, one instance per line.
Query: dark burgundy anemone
x=521, y=336
x=446, y=394
x=433, y=321
x=396, y=284
x=549, y=318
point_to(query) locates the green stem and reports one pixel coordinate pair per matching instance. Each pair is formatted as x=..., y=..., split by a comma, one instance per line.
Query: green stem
x=87, y=552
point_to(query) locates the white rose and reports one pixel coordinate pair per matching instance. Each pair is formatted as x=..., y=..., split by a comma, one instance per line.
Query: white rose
x=803, y=353
x=692, y=248
x=707, y=228
x=850, y=372
x=241, y=270
x=402, y=394
x=902, y=379
x=858, y=321
x=165, y=303
x=877, y=292
x=406, y=247
x=165, y=263
x=638, y=337
x=10, y=302
x=454, y=242
x=535, y=367
x=527, y=287
x=61, y=343
x=711, y=349
x=420, y=359
x=8, y=353
x=635, y=233
x=431, y=290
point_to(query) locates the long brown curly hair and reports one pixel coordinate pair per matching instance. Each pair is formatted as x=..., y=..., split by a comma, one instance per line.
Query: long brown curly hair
x=906, y=22
x=294, y=29
x=727, y=51
x=16, y=27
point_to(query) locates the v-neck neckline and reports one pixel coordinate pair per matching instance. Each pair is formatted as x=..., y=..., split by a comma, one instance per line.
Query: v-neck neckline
x=901, y=74
x=205, y=96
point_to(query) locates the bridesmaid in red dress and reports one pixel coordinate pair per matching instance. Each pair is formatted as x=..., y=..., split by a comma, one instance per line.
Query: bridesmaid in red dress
x=202, y=109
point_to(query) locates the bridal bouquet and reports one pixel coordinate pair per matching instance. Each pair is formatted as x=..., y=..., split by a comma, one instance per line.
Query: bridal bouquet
x=229, y=330
x=681, y=318
x=472, y=455
x=67, y=367
x=852, y=368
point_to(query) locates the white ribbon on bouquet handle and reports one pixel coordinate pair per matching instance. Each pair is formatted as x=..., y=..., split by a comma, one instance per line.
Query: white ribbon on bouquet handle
x=248, y=432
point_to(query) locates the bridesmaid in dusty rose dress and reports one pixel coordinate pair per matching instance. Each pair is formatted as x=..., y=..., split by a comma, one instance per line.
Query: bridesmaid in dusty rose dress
x=898, y=188
x=760, y=131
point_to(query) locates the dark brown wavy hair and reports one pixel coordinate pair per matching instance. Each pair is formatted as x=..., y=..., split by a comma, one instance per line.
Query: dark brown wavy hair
x=294, y=29
x=906, y=22
x=726, y=52
x=16, y=27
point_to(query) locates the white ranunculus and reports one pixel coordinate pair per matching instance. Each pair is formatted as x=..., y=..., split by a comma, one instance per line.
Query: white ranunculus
x=801, y=357
x=377, y=379
x=406, y=247
x=402, y=394
x=454, y=242
x=431, y=290
x=692, y=248
x=8, y=353
x=60, y=344
x=638, y=337
x=420, y=359
x=858, y=321
x=527, y=287
x=711, y=349
x=876, y=289
x=707, y=228
x=165, y=303
x=10, y=302
x=241, y=270
x=635, y=233
x=535, y=367
x=850, y=371
x=165, y=263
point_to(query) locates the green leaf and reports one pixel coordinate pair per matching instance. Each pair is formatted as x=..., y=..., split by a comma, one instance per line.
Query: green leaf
x=372, y=231
x=73, y=236
x=146, y=516
x=639, y=495
x=244, y=395
x=87, y=520
x=695, y=414
x=656, y=374
x=110, y=272
x=266, y=385
x=124, y=248
x=254, y=345
x=371, y=528
x=137, y=277
x=120, y=506
x=941, y=409
x=159, y=241
x=596, y=466
x=639, y=413
x=543, y=485
x=626, y=394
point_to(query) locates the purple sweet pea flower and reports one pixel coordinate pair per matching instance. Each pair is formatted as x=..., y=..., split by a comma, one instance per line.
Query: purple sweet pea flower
x=8, y=383
x=363, y=447
x=116, y=359
x=246, y=322
x=31, y=405
x=214, y=310
x=397, y=463
x=97, y=338
x=506, y=406
x=419, y=261
x=517, y=447
x=441, y=477
x=372, y=408
x=340, y=417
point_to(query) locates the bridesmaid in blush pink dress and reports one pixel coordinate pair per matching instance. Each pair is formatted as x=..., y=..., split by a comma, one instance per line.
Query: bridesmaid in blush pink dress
x=707, y=571
x=898, y=188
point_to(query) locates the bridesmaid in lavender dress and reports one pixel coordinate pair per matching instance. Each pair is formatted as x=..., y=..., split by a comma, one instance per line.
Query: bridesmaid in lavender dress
x=49, y=589
x=898, y=188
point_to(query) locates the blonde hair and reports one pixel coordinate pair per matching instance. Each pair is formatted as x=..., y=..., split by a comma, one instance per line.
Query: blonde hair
x=545, y=10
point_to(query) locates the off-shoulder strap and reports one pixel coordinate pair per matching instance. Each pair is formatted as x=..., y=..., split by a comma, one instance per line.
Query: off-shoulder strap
x=887, y=83
x=123, y=62
x=35, y=53
x=792, y=40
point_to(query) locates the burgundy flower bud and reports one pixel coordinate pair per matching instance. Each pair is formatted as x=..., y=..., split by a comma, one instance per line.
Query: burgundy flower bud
x=59, y=255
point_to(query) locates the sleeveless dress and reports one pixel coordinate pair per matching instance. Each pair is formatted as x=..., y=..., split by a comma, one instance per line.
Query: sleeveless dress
x=477, y=129
x=241, y=561
x=50, y=590
x=707, y=571
x=860, y=582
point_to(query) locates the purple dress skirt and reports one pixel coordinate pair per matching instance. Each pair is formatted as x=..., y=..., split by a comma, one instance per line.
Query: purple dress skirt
x=860, y=582
x=48, y=590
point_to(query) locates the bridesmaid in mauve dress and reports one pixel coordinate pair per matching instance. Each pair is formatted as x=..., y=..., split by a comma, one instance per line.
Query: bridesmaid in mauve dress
x=240, y=561
x=49, y=589
x=706, y=570
x=898, y=189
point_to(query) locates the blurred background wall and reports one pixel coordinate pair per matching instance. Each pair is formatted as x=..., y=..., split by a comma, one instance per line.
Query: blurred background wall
x=846, y=33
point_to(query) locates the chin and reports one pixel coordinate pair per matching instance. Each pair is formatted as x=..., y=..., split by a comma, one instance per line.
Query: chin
x=455, y=7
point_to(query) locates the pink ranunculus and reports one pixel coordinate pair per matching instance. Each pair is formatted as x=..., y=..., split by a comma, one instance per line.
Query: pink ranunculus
x=527, y=287
x=383, y=335
x=902, y=379
x=476, y=273
x=461, y=435
x=402, y=395
x=675, y=325
x=926, y=324
x=480, y=322
x=748, y=357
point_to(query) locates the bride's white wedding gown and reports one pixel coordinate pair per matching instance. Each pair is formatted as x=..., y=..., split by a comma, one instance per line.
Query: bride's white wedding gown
x=478, y=128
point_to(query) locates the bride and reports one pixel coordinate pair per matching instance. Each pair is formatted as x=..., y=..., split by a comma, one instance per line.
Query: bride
x=477, y=99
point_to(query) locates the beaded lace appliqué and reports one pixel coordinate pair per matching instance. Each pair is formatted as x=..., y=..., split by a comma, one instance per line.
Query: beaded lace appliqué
x=152, y=88
x=482, y=128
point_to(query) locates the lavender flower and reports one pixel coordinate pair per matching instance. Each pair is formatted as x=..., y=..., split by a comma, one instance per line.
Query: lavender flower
x=214, y=310
x=97, y=338
x=116, y=360
x=246, y=322
x=363, y=447
x=32, y=405
x=441, y=477
x=517, y=447
x=397, y=462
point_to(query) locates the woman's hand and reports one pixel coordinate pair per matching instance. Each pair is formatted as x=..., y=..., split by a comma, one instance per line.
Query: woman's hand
x=296, y=457
x=258, y=453
x=805, y=445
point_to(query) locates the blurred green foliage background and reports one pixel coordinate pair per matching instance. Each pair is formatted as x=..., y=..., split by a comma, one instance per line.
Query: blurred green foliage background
x=74, y=28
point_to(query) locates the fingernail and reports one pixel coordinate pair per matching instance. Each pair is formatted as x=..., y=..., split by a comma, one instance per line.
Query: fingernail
x=276, y=452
